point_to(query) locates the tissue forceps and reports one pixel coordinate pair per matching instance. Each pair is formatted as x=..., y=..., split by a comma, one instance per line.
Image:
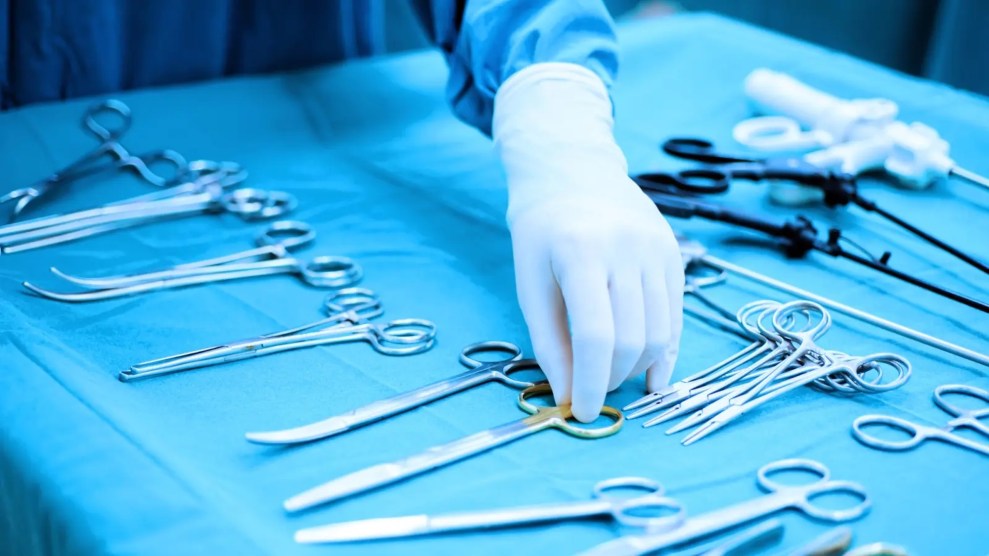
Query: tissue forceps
x=779, y=497
x=249, y=204
x=963, y=418
x=273, y=249
x=540, y=418
x=621, y=508
x=349, y=312
x=479, y=372
x=87, y=164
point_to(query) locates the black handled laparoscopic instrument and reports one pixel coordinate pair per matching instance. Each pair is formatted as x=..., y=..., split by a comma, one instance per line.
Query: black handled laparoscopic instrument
x=796, y=238
x=839, y=188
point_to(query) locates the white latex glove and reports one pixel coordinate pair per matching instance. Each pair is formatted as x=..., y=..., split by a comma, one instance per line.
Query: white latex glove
x=591, y=250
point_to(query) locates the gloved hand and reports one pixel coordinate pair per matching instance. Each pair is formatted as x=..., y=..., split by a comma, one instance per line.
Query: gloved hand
x=598, y=269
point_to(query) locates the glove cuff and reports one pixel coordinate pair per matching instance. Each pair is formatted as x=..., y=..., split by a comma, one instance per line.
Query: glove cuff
x=552, y=128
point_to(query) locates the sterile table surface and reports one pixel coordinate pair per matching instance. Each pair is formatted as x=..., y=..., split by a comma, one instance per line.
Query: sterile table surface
x=90, y=465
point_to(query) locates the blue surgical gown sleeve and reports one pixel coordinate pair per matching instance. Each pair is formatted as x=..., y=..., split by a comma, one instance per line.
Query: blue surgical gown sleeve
x=486, y=41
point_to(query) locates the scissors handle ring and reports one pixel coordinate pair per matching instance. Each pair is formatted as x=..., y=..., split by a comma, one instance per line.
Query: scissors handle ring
x=808, y=465
x=407, y=331
x=363, y=302
x=287, y=233
x=332, y=272
x=703, y=181
x=838, y=515
x=257, y=204
x=700, y=150
x=876, y=362
x=963, y=389
x=917, y=434
x=513, y=351
x=560, y=416
x=108, y=135
x=627, y=512
x=813, y=329
x=644, y=484
x=142, y=165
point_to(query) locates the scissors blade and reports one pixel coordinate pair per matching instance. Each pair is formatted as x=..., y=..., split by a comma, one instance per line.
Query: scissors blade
x=751, y=540
x=365, y=530
x=372, y=412
x=831, y=543
x=628, y=545
x=415, y=525
x=437, y=456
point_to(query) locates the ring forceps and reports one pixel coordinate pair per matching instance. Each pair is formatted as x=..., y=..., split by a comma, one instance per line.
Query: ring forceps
x=87, y=164
x=273, y=249
x=479, y=372
x=209, y=198
x=540, y=418
x=780, y=496
x=349, y=312
x=608, y=500
x=963, y=418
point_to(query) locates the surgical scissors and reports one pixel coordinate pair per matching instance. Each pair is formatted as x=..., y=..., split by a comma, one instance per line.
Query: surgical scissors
x=349, y=312
x=204, y=194
x=479, y=372
x=540, y=418
x=274, y=245
x=86, y=165
x=963, y=418
x=779, y=497
x=839, y=188
x=607, y=501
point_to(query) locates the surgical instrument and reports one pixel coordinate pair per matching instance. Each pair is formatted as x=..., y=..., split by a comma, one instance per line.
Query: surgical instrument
x=963, y=418
x=839, y=188
x=753, y=361
x=878, y=549
x=88, y=164
x=204, y=194
x=540, y=418
x=797, y=238
x=792, y=359
x=725, y=410
x=479, y=372
x=749, y=541
x=349, y=312
x=865, y=129
x=271, y=257
x=645, y=507
x=832, y=543
x=779, y=497
x=696, y=253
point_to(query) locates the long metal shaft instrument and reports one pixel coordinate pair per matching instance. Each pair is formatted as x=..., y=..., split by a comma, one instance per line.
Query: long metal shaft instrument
x=863, y=316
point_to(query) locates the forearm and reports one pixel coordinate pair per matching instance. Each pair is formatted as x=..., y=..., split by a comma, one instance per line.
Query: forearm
x=487, y=41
